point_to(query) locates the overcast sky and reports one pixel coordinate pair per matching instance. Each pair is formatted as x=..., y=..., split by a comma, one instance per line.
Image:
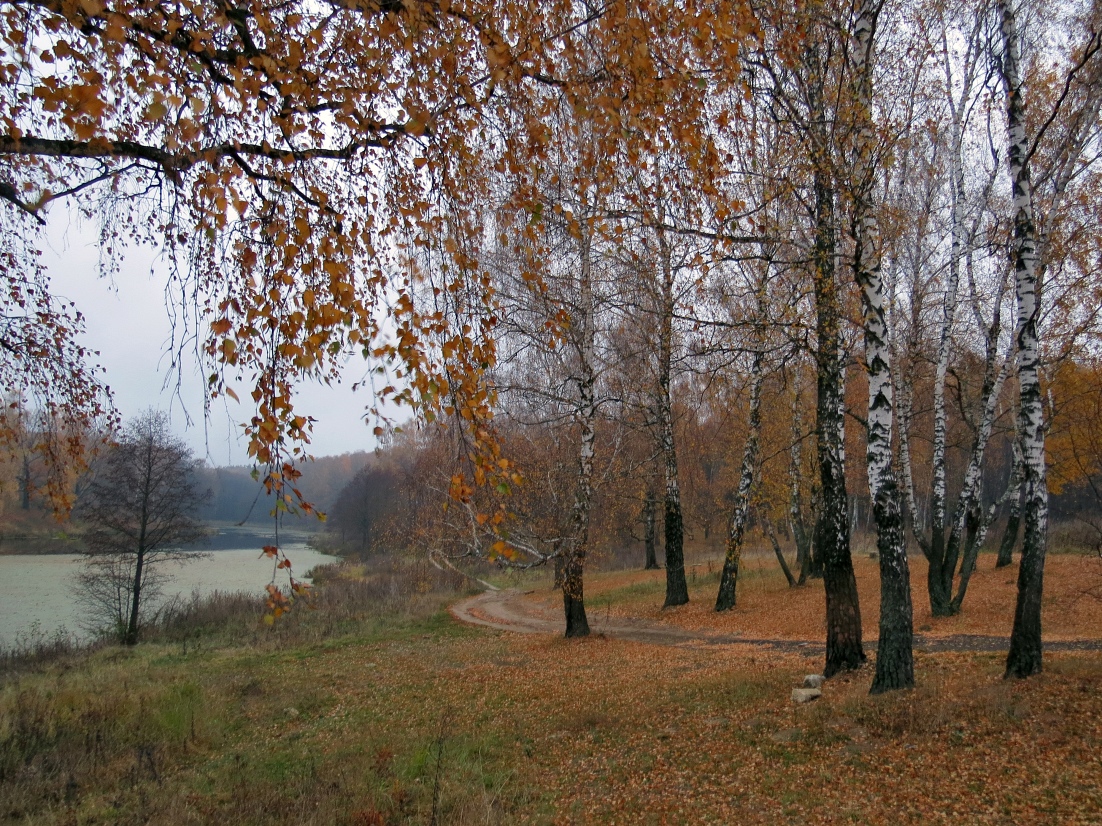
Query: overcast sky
x=130, y=326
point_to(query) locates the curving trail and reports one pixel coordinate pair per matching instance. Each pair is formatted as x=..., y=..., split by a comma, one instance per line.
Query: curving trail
x=513, y=610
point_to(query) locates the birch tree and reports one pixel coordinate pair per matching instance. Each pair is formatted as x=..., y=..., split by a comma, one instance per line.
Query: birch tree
x=551, y=356
x=797, y=516
x=677, y=588
x=943, y=550
x=727, y=597
x=1024, y=657
x=832, y=539
x=804, y=90
x=952, y=540
x=894, y=660
x=1027, y=256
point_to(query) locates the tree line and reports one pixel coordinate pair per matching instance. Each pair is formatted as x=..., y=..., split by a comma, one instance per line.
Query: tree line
x=236, y=494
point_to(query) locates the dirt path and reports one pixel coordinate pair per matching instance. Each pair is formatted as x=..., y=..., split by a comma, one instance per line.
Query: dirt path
x=515, y=610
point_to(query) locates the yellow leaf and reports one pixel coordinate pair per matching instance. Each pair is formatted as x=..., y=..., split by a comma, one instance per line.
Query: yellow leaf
x=156, y=111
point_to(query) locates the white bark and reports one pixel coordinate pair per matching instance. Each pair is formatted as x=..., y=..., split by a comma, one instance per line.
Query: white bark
x=587, y=405
x=868, y=272
x=575, y=553
x=1025, y=643
x=1025, y=259
x=895, y=658
x=973, y=476
x=949, y=309
x=728, y=583
x=958, y=235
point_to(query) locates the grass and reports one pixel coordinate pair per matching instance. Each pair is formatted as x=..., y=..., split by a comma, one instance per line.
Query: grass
x=274, y=734
x=217, y=716
x=377, y=708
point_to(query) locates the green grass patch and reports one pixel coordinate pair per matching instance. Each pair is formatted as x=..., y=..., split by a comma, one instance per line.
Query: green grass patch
x=645, y=589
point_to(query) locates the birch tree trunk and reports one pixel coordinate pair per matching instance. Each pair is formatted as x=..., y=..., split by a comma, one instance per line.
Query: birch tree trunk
x=939, y=579
x=800, y=532
x=977, y=526
x=677, y=588
x=728, y=581
x=904, y=415
x=895, y=658
x=1014, y=518
x=970, y=526
x=941, y=547
x=944, y=549
x=772, y=533
x=577, y=543
x=1024, y=658
x=740, y=510
x=844, y=649
x=650, y=506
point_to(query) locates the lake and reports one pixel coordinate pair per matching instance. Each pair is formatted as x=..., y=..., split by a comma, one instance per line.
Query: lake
x=36, y=592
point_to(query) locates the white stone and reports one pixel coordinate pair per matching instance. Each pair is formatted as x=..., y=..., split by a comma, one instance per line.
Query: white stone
x=805, y=695
x=813, y=681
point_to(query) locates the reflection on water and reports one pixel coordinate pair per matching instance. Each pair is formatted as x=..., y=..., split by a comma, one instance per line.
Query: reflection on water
x=38, y=590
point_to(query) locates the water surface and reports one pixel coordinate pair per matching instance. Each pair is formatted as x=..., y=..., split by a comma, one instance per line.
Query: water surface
x=37, y=595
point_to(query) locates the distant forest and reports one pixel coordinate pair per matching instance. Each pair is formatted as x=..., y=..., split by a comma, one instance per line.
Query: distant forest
x=236, y=496
x=28, y=523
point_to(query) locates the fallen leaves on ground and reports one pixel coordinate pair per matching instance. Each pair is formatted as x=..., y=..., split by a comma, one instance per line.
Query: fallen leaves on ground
x=768, y=609
x=391, y=726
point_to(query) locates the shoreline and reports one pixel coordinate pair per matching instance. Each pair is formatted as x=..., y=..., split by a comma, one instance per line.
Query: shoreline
x=221, y=538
